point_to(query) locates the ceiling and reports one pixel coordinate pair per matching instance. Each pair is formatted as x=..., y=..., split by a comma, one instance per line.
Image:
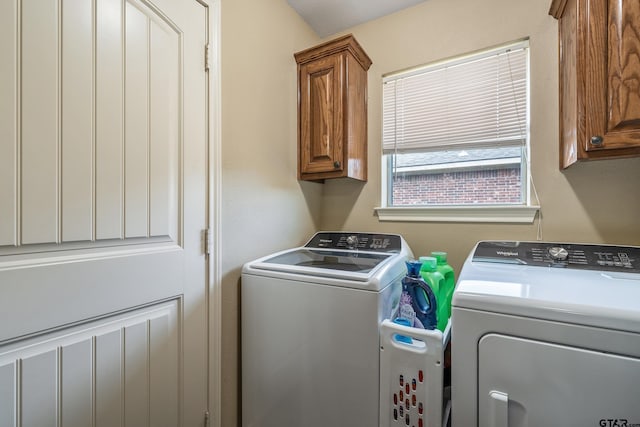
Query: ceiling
x=328, y=17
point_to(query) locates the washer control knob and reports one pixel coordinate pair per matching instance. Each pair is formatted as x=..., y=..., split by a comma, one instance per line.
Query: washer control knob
x=352, y=241
x=558, y=254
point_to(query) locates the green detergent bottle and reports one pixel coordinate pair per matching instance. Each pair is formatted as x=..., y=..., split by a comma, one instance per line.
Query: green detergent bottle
x=449, y=279
x=435, y=280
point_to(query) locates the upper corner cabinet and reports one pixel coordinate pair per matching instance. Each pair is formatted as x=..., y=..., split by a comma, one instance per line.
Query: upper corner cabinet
x=599, y=79
x=332, y=110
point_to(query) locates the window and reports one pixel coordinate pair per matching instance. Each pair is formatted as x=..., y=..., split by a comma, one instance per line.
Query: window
x=456, y=133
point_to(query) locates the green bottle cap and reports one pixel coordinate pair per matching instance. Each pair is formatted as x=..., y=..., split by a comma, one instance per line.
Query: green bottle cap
x=440, y=256
x=428, y=263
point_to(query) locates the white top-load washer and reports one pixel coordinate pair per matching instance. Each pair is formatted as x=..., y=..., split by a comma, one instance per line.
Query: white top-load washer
x=546, y=334
x=310, y=321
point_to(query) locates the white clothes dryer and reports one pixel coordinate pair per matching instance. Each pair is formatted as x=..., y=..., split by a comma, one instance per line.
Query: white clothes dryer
x=310, y=320
x=546, y=334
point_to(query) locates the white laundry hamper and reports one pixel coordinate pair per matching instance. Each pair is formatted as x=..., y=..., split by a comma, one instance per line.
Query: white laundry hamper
x=412, y=376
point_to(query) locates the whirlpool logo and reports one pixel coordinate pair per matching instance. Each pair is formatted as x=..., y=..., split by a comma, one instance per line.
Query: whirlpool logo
x=507, y=253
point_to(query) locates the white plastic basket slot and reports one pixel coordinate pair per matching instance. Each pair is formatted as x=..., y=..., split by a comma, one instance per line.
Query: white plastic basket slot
x=411, y=375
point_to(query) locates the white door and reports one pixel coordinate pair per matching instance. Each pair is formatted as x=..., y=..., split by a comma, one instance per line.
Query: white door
x=103, y=203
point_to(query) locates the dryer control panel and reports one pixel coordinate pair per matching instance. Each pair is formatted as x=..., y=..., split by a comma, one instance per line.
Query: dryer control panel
x=564, y=255
x=389, y=243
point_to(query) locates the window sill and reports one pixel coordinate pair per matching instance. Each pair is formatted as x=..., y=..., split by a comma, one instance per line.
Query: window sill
x=496, y=214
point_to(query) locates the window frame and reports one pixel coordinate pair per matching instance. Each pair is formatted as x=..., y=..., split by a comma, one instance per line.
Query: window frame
x=524, y=212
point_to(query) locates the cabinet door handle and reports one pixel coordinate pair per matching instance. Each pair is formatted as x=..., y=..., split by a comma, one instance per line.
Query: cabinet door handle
x=498, y=409
x=336, y=165
x=596, y=140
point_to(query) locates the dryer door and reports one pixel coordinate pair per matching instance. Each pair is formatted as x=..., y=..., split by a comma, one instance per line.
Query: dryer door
x=533, y=383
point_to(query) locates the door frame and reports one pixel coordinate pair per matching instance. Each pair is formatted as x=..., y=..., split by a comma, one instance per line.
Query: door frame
x=214, y=285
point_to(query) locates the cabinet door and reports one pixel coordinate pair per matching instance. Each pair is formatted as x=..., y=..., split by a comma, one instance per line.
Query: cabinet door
x=321, y=112
x=613, y=77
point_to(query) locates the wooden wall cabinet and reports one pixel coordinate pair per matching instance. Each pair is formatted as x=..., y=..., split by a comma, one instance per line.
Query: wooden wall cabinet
x=332, y=110
x=599, y=78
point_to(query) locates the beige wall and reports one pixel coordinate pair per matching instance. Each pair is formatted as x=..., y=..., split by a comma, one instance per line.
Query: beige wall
x=590, y=202
x=264, y=207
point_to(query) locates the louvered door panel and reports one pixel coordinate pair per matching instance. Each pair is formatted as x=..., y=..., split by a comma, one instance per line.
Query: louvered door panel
x=163, y=381
x=137, y=119
x=8, y=395
x=77, y=383
x=100, y=373
x=77, y=117
x=108, y=372
x=92, y=135
x=38, y=390
x=164, y=127
x=136, y=379
x=39, y=122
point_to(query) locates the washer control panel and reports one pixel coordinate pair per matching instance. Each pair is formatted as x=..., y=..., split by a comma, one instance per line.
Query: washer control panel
x=390, y=243
x=564, y=255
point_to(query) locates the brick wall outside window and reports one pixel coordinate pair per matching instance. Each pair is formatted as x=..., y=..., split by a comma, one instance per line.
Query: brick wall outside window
x=493, y=186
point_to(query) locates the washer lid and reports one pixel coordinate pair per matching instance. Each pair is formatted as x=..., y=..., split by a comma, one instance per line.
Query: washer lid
x=367, y=261
x=322, y=262
x=588, y=296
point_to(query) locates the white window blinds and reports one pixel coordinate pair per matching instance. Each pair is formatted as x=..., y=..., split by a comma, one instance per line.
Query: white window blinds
x=475, y=102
